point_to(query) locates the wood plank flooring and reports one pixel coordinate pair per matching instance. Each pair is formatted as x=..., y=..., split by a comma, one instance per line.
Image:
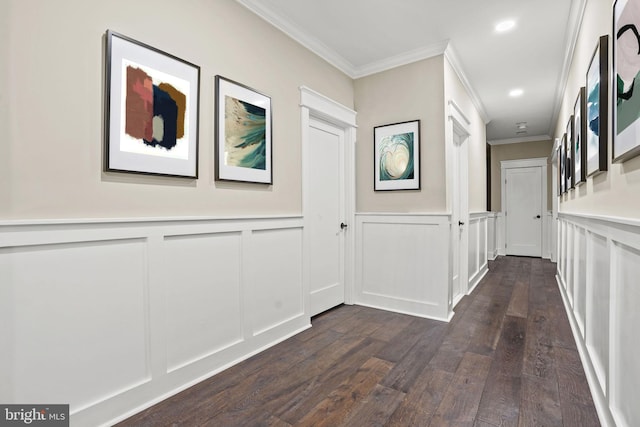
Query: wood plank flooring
x=506, y=359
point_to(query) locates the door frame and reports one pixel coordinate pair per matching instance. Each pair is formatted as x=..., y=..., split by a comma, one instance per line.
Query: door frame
x=540, y=162
x=457, y=124
x=317, y=106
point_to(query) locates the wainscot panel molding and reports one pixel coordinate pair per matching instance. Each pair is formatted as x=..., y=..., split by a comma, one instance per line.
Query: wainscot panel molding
x=598, y=270
x=492, y=243
x=478, y=248
x=403, y=263
x=112, y=316
x=500, y=238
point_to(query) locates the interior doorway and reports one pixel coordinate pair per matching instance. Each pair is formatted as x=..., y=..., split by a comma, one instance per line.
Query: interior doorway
x=524, y=204
x=458, y=197
x=328, y=152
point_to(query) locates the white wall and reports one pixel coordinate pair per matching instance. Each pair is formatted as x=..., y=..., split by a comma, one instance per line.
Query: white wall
x=113, y=316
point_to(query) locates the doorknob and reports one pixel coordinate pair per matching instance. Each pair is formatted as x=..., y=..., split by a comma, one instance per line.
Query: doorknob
x=460, y=223
x=537, y=217
x=343, y=225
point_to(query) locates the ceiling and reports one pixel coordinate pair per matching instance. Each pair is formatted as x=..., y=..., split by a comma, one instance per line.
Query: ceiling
x=362, y=37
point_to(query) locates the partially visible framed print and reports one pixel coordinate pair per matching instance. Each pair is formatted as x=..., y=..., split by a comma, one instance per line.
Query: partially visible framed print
x=579, y=130
x=569, y=149
x=397, y=156
x=626, y=69
x=151, y=110
x=243, y=133
x=563, y=164
x=597, y=113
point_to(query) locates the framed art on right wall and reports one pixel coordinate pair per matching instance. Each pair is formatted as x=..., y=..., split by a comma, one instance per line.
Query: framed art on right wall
x=597, y=112
x=578, y=139
x=626, y=69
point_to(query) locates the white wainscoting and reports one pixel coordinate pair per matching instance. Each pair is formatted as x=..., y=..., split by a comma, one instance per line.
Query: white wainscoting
x=403, y=263
x=598, y=275
x=500, y=237
x=113, y=316
x=492, y=242
x=478, y=248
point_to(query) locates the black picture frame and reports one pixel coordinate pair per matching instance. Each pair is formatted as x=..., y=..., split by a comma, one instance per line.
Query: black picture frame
x=597, y=109
x=626, y=102
x=243, y=136
x=569, y=173
x=396, y=155
x=151, y=112
x=579, y=128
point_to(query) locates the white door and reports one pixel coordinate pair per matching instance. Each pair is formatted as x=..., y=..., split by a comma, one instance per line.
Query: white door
x=524, y=211
x=460, y=217
x=325, y=213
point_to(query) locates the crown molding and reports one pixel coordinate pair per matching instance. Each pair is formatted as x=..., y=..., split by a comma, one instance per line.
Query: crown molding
x=534, y=138
x=576, y=15
x=452, y=57
x=404, y=58
x=329, y=55
x=300, y=36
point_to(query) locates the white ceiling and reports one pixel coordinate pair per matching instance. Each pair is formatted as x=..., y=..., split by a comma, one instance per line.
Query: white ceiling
x=362, y=37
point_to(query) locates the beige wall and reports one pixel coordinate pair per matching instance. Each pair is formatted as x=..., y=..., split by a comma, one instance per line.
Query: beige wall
x=5, y=147
x=524, y=150
x=614, y=192
x=51, y=161
x=454, y=90
x=414, y=91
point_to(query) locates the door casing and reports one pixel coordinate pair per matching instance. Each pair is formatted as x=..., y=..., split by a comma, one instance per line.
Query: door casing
x=314, y=105
x=526, y=163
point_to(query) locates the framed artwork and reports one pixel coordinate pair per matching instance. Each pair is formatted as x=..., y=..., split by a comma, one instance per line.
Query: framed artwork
x=579, y=131
x=397, y=156
x=626, y=70
x=563, y=164
x=151, y=110
x=243, y=144
x=569, y=150
x=597, y=113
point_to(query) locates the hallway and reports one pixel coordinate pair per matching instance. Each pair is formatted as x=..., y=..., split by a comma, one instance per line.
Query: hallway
x=507, y=358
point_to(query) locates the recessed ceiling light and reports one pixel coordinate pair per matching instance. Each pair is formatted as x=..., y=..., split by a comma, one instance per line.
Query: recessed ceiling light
x=515, y=93
x=505, y=26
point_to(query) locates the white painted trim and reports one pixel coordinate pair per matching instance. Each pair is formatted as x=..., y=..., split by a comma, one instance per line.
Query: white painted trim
x=419, y=288
x=327, y=109
x=574, y=22
x=451, y=55
x=527, y=163
x=401, y=59
x=620, y=235
x=27, y=246
x=534, y=138
x=314, y=104
x=300, y=35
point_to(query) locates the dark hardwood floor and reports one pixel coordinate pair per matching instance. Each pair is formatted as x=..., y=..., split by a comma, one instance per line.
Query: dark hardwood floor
x=507, y=358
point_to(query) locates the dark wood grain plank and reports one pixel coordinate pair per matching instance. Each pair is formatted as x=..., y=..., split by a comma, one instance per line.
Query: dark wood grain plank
x=376, y=409
x=462, y=398
x=540, y=403
x=519, y=304
x=336, y=407
x=404, y=374
x=422, y=400
x=500, y=402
